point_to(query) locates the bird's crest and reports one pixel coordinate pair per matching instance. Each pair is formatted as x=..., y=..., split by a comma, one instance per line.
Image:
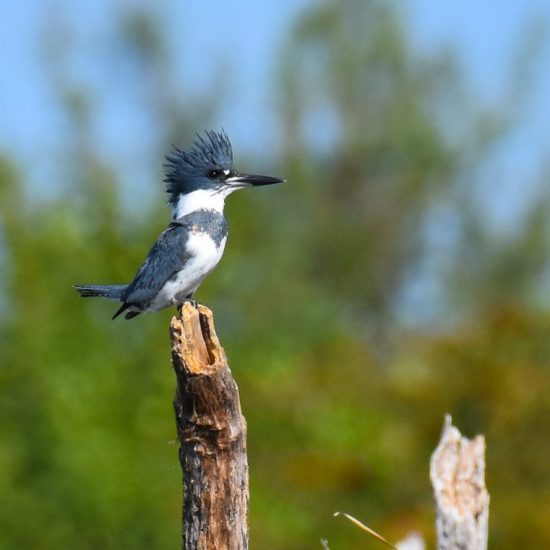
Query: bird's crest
x=210, y=150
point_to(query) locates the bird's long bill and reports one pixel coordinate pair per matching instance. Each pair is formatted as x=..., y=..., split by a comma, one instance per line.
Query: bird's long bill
x=251, y=180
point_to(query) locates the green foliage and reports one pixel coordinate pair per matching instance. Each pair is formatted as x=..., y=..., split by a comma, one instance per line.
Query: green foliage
x=344, y=403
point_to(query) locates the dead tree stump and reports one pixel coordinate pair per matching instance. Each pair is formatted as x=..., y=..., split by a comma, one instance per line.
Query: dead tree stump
x=212, y=435
x=457, y=471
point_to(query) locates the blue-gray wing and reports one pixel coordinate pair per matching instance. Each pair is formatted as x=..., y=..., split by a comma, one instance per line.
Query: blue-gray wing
x=167, y=256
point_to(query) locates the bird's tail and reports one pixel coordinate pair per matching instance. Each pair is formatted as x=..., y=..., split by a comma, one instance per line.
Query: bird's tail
x=114, y=292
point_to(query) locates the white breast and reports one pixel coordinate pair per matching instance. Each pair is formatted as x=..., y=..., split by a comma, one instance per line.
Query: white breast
x=205, y=255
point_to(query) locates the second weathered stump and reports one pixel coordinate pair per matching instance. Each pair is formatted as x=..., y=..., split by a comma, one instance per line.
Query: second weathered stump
x=457, y=471
x=212, y=435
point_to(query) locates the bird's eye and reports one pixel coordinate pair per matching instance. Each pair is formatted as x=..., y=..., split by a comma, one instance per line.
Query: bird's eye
x=215, y=173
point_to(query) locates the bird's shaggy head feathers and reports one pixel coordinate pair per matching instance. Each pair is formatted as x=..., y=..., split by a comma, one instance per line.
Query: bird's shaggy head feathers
x=188, y=171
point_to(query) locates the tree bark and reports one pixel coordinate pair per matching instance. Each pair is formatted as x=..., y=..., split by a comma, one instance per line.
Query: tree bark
x=212, y=435
x=457, y=471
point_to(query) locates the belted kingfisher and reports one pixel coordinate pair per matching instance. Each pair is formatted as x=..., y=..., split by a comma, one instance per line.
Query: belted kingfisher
x=198, y=181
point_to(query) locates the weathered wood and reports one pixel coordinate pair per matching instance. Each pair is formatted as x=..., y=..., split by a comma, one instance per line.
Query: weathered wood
x=457, y=471
x=212, y=435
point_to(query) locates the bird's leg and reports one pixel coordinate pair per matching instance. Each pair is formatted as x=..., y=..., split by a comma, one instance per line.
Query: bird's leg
x=189, y=298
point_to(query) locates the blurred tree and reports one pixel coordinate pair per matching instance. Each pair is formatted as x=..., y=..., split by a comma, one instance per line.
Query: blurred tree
x=380, y=142
x=362, y=106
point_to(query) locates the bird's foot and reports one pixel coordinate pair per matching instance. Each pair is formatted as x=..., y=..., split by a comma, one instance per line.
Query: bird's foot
x=190, y=300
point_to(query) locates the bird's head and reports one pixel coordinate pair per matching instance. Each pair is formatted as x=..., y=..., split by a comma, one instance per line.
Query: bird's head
x=204, y=175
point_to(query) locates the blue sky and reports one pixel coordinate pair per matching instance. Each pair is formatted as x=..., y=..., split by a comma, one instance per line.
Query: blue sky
x=247, y=37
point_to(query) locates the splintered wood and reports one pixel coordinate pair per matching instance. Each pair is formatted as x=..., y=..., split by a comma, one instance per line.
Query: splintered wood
x=212, y=436
x=457, y=471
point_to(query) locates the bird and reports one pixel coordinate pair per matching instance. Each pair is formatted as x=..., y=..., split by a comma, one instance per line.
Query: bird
x=198, y=181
